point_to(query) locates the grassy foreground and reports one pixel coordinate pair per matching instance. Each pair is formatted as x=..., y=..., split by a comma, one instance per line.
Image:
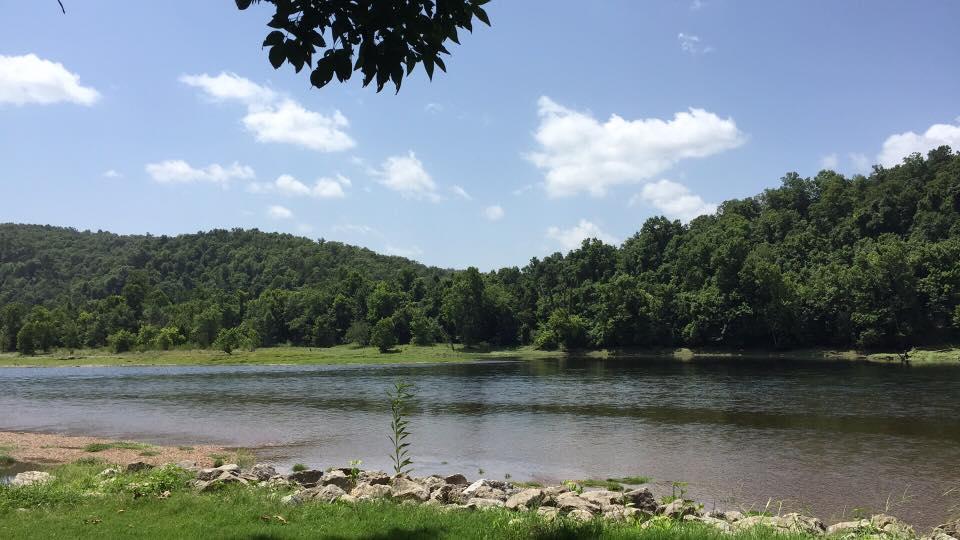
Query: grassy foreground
x=351, y=354
x=131, y=506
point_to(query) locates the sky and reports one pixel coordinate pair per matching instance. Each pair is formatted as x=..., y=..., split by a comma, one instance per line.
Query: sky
x=564, y=120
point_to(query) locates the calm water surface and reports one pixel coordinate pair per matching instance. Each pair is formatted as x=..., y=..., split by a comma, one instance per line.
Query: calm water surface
x=817, y=436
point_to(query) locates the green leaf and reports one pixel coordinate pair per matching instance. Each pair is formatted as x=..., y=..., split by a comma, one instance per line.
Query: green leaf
x=277, y=55
x=274, y=38
x=243, y=4
x=482, y=15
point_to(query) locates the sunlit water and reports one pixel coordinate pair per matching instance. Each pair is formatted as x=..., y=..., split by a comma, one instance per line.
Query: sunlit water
x=822, y=437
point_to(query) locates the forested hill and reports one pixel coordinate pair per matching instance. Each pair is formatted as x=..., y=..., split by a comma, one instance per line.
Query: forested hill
x=826, y=261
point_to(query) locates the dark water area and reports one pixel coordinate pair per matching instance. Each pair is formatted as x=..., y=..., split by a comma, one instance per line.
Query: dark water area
x=830, y=438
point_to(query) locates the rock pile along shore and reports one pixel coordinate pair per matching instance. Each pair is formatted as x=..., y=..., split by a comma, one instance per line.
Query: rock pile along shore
x=456, y=492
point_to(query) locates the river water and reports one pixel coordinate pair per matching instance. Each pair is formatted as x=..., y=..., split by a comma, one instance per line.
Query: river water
x=831, y=438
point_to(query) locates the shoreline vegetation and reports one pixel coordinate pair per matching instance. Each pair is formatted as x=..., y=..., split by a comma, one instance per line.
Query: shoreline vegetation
x=111, y=494
x=351, y=354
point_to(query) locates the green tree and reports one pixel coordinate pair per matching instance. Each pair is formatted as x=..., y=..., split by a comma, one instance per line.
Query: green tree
x=358, y=333
x=383, y=336
x=121, y=341
x=383, y=40
x=462, y=306
x=168, y=337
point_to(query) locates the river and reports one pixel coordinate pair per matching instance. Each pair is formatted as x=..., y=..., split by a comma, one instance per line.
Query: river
x=830, y=438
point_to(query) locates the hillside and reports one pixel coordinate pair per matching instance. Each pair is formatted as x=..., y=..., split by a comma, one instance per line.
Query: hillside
x=869, y=261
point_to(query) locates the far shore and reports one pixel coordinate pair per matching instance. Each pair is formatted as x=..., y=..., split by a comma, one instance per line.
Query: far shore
x=440, y=353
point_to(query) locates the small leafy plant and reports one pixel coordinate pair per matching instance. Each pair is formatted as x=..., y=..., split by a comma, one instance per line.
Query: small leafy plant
x=400, y=398
x=355, y=469
x=299, y=467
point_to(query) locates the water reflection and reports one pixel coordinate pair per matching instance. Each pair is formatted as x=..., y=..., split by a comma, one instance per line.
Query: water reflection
x=818, y=434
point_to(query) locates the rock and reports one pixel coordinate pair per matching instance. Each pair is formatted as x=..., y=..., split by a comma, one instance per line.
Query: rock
x=602, y=497
x=548, y=513
x=848, y=527
x=138, y=466
x=479, y=503
x=580, y=514
x=328, y=493
x=262, y=472
x=187, y=464
x=431, y=482
x=488, y=492
x=372, y=491
x=109, y=473
x=555, y=491
x=568, y=502
x=938, y=534
x=307, y=478
x=892, y=526
x=205, y=475
x=951, y=528
x=677, y=509
x=731, y=516
x=277, y=482
x=225, y=478
x=374, y=478
x=475, y=486
x=456, y=479
x=448, y=493
x=339, y=479
x=719, y=524
x=526, y=499
x=406, y=489
x=791, y=523
x=30, y=478
x=616, y=512
x=642, y=499
x=292, y=499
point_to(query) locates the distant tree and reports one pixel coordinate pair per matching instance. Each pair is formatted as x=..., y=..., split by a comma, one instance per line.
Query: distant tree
x=121, y=341
x=462, y=306
x=424, y=330
x=384, y=40
x=383, y=335
x=28, y=340
x=168, y=337
x=563, y=329
x=11, y=320
x=358, y=333
x=238, y=337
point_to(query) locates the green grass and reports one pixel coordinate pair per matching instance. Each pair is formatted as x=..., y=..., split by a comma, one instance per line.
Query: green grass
x=62, y=510
x=299, y=467
x=6, y=460
x=120, y=445
x=149, y=453
x=609, y=484
x=631, y=480
x=350, y=354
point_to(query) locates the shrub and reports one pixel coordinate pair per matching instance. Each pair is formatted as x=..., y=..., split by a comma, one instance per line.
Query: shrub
x=358, y=333
x=382, y=336
x=121, y=341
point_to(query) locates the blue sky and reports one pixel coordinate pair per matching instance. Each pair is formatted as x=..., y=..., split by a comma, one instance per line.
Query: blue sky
x=564, y=119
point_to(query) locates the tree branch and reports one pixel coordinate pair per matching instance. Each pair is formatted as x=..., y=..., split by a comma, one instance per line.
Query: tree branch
x=61, y=7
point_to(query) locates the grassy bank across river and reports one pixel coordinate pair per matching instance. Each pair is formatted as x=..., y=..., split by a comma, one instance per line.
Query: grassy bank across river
x=351, y=354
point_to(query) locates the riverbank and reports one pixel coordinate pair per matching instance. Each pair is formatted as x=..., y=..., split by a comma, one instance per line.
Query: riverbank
x=96, y=498
x=350, y=354
x=55, y=449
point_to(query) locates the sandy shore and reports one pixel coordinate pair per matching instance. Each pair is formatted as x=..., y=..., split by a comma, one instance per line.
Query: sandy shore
x=51, y=448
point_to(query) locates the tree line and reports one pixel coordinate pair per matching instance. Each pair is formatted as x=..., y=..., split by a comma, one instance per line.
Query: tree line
x=869, y=261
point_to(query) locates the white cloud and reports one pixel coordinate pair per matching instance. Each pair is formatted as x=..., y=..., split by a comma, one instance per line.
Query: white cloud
x=493, y=213
x=692, y=44
x=356, y=229
x=177, y=171
x=408, y=253
x=407, y=176
x=111, y=174
x=271, y=118
x=522, y=190
x=227, y=86
x=696, y=5
x=830, y=161
x=861, y=163
x=901, y=145
x=279, y=212
x=434, y=108
x=323, y=188
x=290, y=123
x=31, y=79
x=674, y=200
x=579, y=154
x=572, y=238
x=460, y=192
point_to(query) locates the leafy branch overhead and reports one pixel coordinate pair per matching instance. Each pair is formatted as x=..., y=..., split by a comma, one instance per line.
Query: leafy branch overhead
x=382, y=39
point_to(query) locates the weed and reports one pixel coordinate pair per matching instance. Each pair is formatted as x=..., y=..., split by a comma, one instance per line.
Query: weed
x=399, y=404
x=119, y=445
x=631, y=480
x=149, y=453
x=6, y=460
x=299, y=467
